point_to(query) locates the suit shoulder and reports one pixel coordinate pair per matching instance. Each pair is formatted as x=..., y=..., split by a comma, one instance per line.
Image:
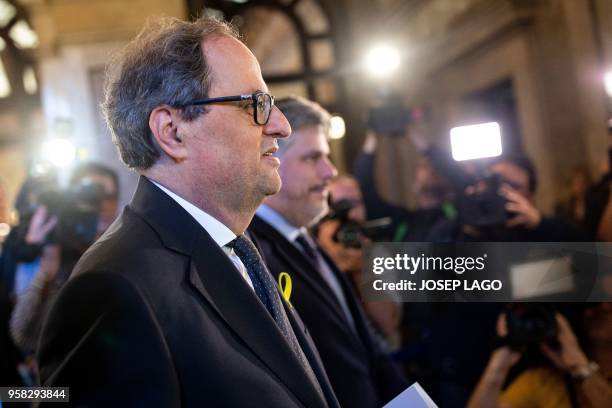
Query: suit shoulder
x=128, y=247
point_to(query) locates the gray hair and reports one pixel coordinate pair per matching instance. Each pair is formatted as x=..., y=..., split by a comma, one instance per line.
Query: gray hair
x=163, y=65
x=301, y=113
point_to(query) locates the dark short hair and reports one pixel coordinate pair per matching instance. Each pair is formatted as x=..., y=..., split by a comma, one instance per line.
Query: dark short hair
x=85, y=169
x=524, y=163
x=301, y=113
x=164, y=64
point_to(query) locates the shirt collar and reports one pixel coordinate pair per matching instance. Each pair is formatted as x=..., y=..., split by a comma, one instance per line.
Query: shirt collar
x=277, y=221
x=215, y=228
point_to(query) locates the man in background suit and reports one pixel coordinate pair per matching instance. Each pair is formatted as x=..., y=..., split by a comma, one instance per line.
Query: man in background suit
x=173, y=305
x=361, y=375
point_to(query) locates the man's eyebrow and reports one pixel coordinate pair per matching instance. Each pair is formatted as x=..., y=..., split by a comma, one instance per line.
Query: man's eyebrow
x=313, y=153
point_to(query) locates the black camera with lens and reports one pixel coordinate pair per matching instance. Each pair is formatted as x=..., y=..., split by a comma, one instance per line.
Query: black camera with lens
x=390, y=116
x=351, y=233
x=530, y=324
x=483, y=208
x=389, y=119
x=77, y=211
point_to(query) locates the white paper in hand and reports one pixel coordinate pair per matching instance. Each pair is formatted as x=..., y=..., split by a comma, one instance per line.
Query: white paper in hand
x=412, y=397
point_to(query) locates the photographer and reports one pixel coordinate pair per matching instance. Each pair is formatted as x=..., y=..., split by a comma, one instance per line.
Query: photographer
x=571, y=207
x=431, y=189
x=346, y=251
x=547, y=386
x=508, y=188
x=90, y=207
x=21, y=250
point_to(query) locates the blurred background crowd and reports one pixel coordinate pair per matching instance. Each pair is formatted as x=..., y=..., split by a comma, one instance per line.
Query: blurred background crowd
x=399, y=77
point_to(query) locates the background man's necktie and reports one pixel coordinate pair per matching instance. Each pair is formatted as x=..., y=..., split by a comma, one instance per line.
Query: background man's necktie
x=307, y=247
x=310, y=249
x=266, y=291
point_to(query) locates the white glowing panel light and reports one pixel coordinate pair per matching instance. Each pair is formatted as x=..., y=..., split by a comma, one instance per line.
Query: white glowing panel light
x=383, y=60
x=58, y=151
x=608, y=83
x=476, y=141
x=337, y=127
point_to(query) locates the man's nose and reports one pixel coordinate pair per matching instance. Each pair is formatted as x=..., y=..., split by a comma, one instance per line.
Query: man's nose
x=327, y=170
x=277, y=126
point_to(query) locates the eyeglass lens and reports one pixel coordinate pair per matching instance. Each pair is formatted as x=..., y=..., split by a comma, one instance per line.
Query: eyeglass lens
x=264, y=107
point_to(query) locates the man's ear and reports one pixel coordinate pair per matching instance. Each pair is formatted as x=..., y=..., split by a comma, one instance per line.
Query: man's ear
x=163, y=122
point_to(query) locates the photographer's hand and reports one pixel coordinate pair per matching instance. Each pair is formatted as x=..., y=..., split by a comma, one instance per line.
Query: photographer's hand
x=527, y=214
x=569, y=357
x=504, y=357
x=49, y=264
x=486, y=393
x=40, y=226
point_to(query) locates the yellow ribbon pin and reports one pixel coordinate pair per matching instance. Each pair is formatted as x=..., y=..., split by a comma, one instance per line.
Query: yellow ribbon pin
x=285, y=283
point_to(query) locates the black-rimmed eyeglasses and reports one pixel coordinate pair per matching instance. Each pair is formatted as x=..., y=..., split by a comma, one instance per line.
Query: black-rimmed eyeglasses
x=262, y=104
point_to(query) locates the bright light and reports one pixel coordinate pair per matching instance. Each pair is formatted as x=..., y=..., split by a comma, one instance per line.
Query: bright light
x=30, y=85
x=23, y=35
x=337, y=128
x=40, y=169
x=383, y=60
x=608, y=83
x=58, y=151
x=5, y=86
x=476, y=141
x=4, y=230
x=7, y=12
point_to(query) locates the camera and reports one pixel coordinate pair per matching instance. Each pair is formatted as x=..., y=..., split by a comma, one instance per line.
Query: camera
x=77, y=212
x=483, y=208
x=531, y=323
x=390, y=119
x=350, y=233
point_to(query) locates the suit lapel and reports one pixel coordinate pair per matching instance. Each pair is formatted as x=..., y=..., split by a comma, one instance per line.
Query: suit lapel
x=247, y=317
x=301, y=265
x=353, y=302
x=310, y=350
x=214, y=277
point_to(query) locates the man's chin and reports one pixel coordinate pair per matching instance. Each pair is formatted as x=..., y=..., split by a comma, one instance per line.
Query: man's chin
x=317, y=214
x=272, y=186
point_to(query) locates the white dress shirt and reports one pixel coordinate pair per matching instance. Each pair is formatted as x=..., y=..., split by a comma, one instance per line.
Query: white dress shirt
x=215, y=228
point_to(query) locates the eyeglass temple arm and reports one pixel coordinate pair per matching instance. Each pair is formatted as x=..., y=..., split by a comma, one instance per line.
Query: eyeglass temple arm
x=232, y=98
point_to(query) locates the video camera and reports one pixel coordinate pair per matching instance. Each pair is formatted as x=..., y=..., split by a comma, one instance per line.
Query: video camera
x=351, y=233
x=484, y=206
x=77, y=210
x=392, y=116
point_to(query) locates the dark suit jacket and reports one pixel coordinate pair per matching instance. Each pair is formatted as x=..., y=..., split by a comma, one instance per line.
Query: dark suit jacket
x=155, y=314
x=360, y=375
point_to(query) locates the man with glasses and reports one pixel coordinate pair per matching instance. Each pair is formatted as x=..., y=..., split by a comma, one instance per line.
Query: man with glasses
x=173, y=305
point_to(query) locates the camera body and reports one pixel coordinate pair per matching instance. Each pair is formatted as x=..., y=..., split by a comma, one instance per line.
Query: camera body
x=351, y=233
x=77, y=210
x=530, y=324
x=390, y=119
x=485, y=208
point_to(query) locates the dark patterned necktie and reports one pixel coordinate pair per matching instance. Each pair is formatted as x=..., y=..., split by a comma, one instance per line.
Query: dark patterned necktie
x=307, y=247
x=266, y=291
